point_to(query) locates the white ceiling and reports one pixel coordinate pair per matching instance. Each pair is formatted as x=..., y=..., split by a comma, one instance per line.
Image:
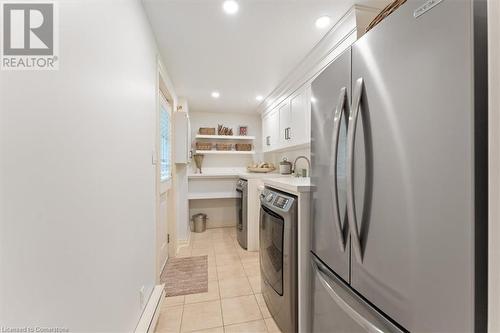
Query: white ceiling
x=240, y=56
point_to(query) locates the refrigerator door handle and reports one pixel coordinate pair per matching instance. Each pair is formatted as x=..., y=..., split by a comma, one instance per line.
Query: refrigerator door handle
x=351, y=134
x=337, y=120
x=324, y=277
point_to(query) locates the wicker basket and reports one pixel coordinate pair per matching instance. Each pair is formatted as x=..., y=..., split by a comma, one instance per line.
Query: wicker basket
x=207, y=131
x=204, y=146
x=388, y=10
x=243, y=146
x=224, y=146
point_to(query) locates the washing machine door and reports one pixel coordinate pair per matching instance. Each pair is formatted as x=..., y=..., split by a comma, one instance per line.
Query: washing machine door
x=272, y=228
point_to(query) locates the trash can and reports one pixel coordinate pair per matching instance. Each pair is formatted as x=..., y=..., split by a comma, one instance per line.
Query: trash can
x=199, y=222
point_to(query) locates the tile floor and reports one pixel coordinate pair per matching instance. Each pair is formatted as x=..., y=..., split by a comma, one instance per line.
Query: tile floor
x=233, y=303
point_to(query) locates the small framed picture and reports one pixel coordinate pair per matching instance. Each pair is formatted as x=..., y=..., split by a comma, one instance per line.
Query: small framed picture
x=243, y=130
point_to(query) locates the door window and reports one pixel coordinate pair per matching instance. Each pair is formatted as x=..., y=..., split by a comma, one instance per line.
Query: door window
x=165, y=140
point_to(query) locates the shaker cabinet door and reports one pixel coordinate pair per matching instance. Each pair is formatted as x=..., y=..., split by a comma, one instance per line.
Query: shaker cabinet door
x=298, y=132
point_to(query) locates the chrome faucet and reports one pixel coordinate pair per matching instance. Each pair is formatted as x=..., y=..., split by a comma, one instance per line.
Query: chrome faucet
x=308, y=164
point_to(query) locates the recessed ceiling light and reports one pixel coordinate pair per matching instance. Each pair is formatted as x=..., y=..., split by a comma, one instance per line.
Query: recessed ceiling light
x=215, y=94
x=259, y=98
x=313, y=99
x=230, y=7
x=323, y=22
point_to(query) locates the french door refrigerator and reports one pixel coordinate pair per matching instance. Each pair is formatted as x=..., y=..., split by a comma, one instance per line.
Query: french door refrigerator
x=399, y=155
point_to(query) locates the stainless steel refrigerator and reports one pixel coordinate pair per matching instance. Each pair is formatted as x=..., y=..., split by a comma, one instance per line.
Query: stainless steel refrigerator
x=399, y=155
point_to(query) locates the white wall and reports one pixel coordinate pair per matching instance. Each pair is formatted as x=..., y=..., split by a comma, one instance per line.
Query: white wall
x=291, y=155
x=222, y=212
x=77, y=183
x=494, y=187
x=232, y=120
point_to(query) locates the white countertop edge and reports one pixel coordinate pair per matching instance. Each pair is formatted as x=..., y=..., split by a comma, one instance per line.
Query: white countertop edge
x=212, y=175
x=290, y=184
x=256, y=175
x=243, y=175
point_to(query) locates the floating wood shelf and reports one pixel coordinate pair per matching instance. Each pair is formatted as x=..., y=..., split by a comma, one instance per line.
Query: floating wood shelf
x=225, y=137
x=212, y=195
x=225, y=152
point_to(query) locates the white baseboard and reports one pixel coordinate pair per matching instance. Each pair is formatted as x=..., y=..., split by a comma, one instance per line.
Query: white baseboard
x=183, y=242
x=149, y=318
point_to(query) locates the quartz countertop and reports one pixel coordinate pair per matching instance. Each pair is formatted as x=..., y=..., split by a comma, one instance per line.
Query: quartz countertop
x=234, y=173
x=290, y=184
x=256, y=175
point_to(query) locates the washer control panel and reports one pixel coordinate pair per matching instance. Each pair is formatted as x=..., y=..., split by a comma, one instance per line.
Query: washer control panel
x=280, y=201
x=241, y=184
x=276, y=199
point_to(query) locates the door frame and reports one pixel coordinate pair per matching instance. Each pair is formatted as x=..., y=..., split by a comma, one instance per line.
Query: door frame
x=164, y=91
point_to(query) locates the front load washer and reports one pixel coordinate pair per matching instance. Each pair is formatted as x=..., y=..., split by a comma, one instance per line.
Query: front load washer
x=278, y=256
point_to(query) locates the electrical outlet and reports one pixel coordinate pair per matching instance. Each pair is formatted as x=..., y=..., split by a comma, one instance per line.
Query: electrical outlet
x=142, y=296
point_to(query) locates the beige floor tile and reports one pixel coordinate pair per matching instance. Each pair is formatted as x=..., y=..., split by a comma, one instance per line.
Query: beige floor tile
x=240, y=309
x=255, y=283
x=224, y=239
x=271, y=326
x=203, y=252
x=211, y=261
x=211, y=330
x=200, y=235
x=263, y=306
x=211, y=295
x=169, y=320
x=224, y=242
x=202, y=245
x=215, y=230
x=249, y=262
x=184, y=252
x=248, y=256
x=212, y=273
x=199, y=316
x=235, y=287
x=221, y=236
x=252, y=269
x=230, y=271
x=229, y=255
x=227, y=259
x=173, y=301
x=225, y=249
x=258, y=326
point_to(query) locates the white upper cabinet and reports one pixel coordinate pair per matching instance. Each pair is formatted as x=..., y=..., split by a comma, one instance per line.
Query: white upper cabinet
x=270, y=131
x=182, y=137
x=299, y=123
x=285, y=123
x=288, y=124
x=291, y=99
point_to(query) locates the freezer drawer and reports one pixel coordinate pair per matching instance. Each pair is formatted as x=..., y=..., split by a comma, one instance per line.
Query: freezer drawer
x=337, y=309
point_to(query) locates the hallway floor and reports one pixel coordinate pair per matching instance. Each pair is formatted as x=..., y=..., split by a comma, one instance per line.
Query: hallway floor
x=233, y=303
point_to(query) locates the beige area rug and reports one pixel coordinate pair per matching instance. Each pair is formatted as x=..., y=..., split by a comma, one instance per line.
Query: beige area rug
x=184, y=276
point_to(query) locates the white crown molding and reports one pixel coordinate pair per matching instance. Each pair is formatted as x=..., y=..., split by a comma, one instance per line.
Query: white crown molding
x=346, y=31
